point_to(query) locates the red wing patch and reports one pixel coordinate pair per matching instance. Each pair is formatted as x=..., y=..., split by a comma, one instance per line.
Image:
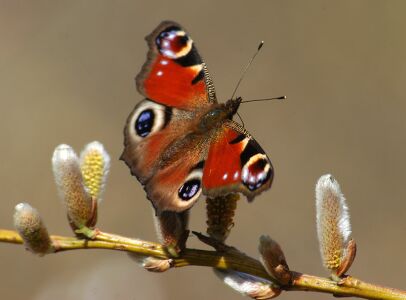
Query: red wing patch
x=171, y=84
x=174, y=74
x=223, y=166
x=142, y=157
x=236, y=163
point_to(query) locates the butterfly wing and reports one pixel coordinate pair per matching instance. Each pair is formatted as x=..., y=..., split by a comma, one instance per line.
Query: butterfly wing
x=168, y=160
x=150, y=129
x=177, y=185
x=236, y=163
x=174, y=73
x=160, y=148
x=228, y=160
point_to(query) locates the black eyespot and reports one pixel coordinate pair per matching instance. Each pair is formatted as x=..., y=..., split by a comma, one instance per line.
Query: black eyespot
x=189, y=189
x=183, y=40
x=144, y=122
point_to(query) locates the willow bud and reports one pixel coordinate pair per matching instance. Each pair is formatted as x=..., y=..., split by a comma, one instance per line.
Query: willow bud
x=69, y=181
x=32, y=230
x=333, y=226
x=273, y=260
x=248, y=285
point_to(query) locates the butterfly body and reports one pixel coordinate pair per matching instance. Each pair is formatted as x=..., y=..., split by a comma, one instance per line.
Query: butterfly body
x=217, y=114
x=179, y=141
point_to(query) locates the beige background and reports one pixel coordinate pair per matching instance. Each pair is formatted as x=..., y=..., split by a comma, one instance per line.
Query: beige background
x=66, y=76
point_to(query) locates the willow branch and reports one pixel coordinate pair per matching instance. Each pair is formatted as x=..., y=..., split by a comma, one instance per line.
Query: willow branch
x=238, y=261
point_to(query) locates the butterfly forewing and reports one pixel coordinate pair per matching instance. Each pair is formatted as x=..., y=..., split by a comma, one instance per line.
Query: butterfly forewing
x=174, y=73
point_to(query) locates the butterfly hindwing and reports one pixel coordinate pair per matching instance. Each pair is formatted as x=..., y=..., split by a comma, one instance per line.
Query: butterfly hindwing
x=150, y=130
x=236, y=163
x=177, y=186
x=165, y=155
x=174, y=73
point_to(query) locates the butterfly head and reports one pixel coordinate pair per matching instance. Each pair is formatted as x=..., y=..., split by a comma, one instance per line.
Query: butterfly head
x=219, y=113
x=232, y=106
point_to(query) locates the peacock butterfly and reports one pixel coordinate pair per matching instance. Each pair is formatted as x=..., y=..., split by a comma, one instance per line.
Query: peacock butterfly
x=179, y=141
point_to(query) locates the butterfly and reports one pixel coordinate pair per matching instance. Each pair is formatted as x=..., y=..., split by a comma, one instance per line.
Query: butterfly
x=179, y=141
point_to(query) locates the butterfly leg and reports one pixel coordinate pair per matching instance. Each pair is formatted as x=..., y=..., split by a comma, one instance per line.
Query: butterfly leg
x=172, y=230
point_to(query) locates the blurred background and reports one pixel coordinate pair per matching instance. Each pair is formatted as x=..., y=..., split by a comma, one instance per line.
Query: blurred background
x=66, y=76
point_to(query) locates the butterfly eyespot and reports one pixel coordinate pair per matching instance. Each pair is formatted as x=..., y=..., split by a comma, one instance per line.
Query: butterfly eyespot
x=189, y=189
x=147, y=118
x=173, y=43
x=256, y=172
x=144, y=122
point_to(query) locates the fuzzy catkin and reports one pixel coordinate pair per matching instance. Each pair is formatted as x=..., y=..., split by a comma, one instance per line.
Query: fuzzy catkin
x=32, y=230
x=333, y=224
x=69, y=180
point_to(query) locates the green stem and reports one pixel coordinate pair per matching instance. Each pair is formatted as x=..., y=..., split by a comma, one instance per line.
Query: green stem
x=350, y=286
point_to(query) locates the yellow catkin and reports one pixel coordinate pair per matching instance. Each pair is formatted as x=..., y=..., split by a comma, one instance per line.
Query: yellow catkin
x=92, y=168
x=333, y=243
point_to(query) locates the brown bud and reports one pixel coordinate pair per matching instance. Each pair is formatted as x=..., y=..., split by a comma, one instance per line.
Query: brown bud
x=248, y=285
x=153, y=264
x=348, y=259
x=150, y=263
x=273, y=260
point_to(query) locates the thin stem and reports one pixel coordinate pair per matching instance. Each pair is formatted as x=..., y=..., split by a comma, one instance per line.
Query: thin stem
x=235, y=260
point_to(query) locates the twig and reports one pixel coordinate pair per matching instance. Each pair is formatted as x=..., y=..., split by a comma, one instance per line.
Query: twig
x=350, y=286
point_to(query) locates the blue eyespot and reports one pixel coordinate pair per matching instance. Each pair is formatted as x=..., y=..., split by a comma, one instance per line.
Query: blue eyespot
x=144, y=123
x=189, y=189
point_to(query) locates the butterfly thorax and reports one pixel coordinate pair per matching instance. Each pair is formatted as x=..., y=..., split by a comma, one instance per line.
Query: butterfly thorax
x=218, y=114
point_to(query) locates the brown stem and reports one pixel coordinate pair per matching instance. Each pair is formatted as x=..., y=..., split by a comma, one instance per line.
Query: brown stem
x=349, y=286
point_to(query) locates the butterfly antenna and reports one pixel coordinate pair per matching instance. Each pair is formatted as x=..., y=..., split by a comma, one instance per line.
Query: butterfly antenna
x=246, y=68
x=242, y=121
x=265, y=99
